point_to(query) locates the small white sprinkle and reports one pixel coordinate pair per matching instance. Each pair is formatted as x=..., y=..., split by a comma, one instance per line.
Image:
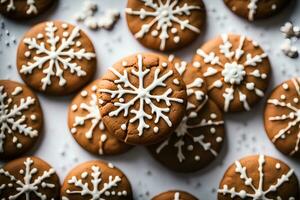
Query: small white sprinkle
x=73, y=130
x=123, y=127
x=273, y=7
x=196, y=64
x=176, y=81
x=65, y=34
x=219, y=139
x=213, y=116
x=212, y=130
x=74, y=107
x=164, y=64
x=197, y=158
x=155, y=129
x=84, y=175
x=296, y=100
x=33, y=117
x=174, y=30
x=40, y=36
x=176, y=39
x=64, y=26
x=84, y=93
x=110, y=165
x=19, y=145
x=283, y=97
x=190, y=148
x=78, y=44
x=154, y=33
x=285, y=86
x=278, y=166
x=27, y=54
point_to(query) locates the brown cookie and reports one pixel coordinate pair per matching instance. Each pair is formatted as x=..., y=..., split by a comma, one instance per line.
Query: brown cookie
x=28, y=178
x=21, y=119
x=256, y=9
x=236, y=71
x=24, y=9
x=259, y=177
x=174, y=195
x=85, y=124
x=56, y=58
x=164, y=24
x=282, y=117
x=96, y=180
x=144, y=99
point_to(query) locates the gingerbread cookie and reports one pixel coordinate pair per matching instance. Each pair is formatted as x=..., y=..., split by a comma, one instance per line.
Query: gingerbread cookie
x=85, y=124
x=282, y=117
x=24, y=9
x=164, y=24
x=29, y=178
x=256, y=9
x=259, y=177
x=56, y=58
x=144, y=99
x=21, y=119
x=174, y=195
x=96, y=180
x=236, y=71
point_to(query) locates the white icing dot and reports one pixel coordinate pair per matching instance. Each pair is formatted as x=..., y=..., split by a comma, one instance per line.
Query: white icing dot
x=110, y=165
x=19, y=145
x=84, y=93
x=154, y=33
x=94, y=88
x=164, y=64
x=283, y=97
x=176, y=81
x=212, y=130
x=174, y=30
x=27, y=54
x=197, y=158
x=124, y=63
x=296, y=100
x=74, y=107
x=278, y=166
x=33, y=117
x=84, y=175
x=213, y=116
x=196, y=64
x=176, y=39
x=123, y=127
x=190, y=148
x=273, y=7
x=121, y=100
x=78, y=44
x=15, y=139
x=155, y=129
x=40, y=36
x=285, y=86
x=73, y=130
x=264, y=76
x=219, y=139
x=64, y=26
x=65, y=34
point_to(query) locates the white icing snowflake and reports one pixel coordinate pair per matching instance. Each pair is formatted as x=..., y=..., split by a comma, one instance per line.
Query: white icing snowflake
x=58, y=58
x=143, y=96
x=92, y=115
x=27, y=187
x=164, y=15
x=257, y=193
x=96, y=192
x=233, y=72
x=292, y=118
x=32, y=9
x=12, y=119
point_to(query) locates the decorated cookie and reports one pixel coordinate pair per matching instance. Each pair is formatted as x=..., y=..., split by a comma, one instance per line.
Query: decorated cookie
x=28, y=178
x=24, y=9
x=236, y=71
x=259, y=177
x=56, y=58
x=144, y=99
x=21, y=119
x=256, y=9
x=282, y=117
x=96, y=180
x=174, y=195
x=165, y=24
x=86, y=125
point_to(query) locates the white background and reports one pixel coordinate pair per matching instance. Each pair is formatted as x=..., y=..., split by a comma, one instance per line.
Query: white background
x=245, y=132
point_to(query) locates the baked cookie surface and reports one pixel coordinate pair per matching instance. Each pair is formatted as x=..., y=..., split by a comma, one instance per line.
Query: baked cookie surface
x=21, y=119
x=144, y=99
x=236, y=71
x=85, y=124
x=259, y=177
x=174, y=195
x=282, y=117
x=56, y=58
x=29, y=178
x=165, y=24
x=24, y=9
x=96, y=180
x=256, y=9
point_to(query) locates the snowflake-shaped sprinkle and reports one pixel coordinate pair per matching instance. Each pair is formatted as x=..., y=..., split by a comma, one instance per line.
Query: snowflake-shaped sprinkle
x=143, y=96
x=97, y=191
x=28, y=187
x=164, y=15
x=258, y=193
x=292, y=119
x=232, y=73
x=58, y=58
x=12, y=119
x=32, y=9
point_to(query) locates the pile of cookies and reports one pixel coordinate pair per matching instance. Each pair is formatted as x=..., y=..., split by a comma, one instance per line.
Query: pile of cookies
x=172, y=107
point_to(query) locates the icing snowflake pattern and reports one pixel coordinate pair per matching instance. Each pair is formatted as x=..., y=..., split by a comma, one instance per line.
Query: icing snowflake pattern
x=32, y=9
x=143, y=96
x=233, y=73
x=28, y=187
x=97, y=192
x=292, y=118
x=92, y=115
x=164, y=15
x=258, y=193
x=55, y=60
x=12, y=119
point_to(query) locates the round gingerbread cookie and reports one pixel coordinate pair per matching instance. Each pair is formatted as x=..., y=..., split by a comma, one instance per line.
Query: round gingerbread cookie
x=96, y=180
x=24, y=9
x=85, y=124
x=174, y=195
x=282, y=117
x=236, y=71
x=144, y=99
x=56, y=58
x=256, y=9
x=21, y=119
x=29, y=178
x=164, y=24
x=259, y=177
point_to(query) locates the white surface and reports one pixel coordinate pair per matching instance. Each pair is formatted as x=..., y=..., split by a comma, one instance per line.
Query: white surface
x=245, y=132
